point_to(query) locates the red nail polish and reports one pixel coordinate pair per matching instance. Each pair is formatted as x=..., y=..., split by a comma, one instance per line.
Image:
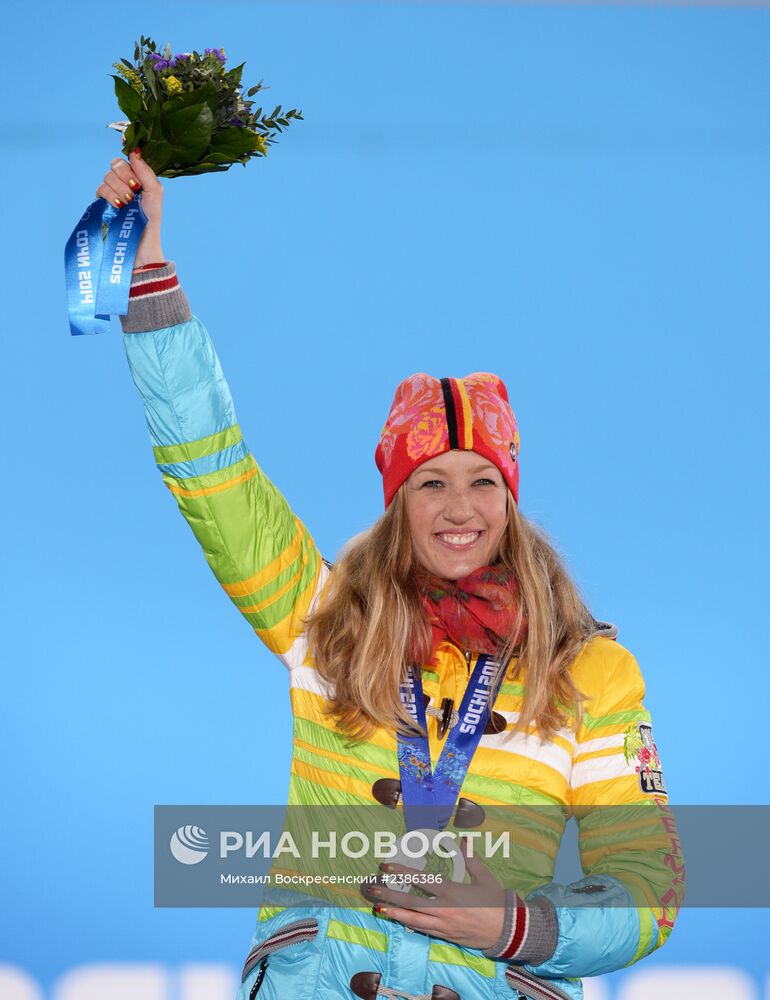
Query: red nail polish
x=135, y=185
x=379, y=909
x=118, y=203
x=138, y=151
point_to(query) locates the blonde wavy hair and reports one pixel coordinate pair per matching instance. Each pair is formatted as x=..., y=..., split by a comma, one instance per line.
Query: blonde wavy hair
x=370, y=624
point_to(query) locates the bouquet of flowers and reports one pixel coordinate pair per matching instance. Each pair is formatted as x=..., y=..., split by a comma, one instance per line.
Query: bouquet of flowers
x=188, y=113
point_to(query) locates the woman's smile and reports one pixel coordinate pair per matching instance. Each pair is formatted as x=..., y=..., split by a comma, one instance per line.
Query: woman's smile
x=458, y=542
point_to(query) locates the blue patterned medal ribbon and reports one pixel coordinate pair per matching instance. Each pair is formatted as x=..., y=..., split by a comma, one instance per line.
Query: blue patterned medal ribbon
x=430, y=797
x=98, y=261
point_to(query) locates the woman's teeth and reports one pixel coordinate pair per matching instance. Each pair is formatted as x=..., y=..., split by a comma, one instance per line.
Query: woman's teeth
x=465, y=539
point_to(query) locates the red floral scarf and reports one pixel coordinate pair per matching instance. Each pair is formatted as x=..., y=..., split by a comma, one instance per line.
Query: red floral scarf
x=476, y=613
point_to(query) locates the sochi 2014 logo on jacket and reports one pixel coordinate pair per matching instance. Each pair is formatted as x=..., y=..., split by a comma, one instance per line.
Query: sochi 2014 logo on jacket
x=639, y=745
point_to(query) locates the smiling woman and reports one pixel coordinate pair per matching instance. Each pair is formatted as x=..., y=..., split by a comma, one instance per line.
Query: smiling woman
x=446, y=666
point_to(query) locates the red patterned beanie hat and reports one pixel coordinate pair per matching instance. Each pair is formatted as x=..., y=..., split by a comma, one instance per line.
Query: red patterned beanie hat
x=430, y=416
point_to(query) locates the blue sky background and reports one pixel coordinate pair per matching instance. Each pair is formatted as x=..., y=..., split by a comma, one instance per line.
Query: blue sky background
x=573, y=197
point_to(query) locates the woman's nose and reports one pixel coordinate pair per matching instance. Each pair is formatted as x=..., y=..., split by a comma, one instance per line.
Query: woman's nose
x=458, y=507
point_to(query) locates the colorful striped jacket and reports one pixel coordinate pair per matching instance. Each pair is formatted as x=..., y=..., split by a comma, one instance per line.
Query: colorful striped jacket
x=268, y=564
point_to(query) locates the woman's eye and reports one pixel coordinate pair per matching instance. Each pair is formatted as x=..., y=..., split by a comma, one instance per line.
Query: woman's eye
x=432, y=483
x=485, y=482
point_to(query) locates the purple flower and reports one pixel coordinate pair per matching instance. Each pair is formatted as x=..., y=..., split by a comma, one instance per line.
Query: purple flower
x=158, y=62
x=179, y=57
x=219, y=53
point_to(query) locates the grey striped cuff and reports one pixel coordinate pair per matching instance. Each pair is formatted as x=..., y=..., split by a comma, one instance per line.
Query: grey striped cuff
x=505, y=938
x=156, y=300
x=540, y=932
x=543, y=933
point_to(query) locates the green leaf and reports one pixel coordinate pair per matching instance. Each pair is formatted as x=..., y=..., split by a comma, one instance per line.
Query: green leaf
x=206, y=94
x=198, y=168
x=189, y=132
x=235, y=74
x=157, y=153
x=129, y=102
x=127, y=63
x=135, y=135
x=137, y=52
x=253, y=90
x=152, y=80
x=176, y=118
x=221, y=158
x=235, y=141
x=129, y=137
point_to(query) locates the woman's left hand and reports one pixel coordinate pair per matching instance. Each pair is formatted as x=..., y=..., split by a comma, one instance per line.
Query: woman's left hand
x=469, y=914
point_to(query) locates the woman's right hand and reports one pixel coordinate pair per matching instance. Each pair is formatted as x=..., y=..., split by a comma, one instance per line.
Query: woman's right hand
x=121, y=184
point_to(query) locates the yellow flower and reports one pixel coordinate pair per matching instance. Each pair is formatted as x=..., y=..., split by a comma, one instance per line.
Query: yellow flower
x=130, y=75
x=173, y=86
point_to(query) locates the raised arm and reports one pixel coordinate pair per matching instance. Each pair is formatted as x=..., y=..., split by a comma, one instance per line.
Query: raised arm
x=258, y=549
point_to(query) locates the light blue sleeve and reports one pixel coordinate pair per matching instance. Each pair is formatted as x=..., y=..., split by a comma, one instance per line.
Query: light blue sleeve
x=599, y=931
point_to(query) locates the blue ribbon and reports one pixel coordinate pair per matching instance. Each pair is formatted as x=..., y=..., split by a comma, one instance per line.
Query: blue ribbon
x=98, y=261
x=430, y=797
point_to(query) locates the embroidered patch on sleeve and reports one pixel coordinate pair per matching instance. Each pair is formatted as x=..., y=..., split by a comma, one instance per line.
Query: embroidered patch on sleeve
x=639, y=746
